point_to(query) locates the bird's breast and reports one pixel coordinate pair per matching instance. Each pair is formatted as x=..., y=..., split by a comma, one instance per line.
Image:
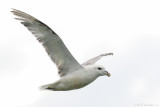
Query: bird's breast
x=78, y=80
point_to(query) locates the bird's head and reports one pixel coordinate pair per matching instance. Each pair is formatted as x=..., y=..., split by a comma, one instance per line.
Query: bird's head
x=100, y=70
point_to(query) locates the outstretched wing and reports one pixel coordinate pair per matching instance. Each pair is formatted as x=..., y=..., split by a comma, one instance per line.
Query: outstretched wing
x=52, y=43
x=95, y=59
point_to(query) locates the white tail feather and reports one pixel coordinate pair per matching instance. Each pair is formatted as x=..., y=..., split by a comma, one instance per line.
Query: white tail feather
x=44, y=87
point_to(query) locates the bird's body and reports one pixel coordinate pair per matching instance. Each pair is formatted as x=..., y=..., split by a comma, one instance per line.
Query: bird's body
x=75, y=80
x=73, y=75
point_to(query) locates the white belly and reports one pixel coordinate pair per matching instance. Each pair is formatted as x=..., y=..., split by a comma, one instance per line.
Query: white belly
x=75, y=81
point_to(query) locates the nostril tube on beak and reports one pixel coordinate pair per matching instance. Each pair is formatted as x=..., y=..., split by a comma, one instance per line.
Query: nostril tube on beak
x=108, y=74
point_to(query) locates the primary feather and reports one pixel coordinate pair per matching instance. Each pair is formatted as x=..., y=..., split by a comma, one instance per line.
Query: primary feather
x=52, y=43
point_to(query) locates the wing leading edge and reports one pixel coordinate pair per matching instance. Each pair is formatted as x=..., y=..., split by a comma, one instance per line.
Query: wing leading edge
x=52, y=43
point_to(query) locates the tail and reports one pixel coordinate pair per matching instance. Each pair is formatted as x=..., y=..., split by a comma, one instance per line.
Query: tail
x=46, y=87
x=51, y=86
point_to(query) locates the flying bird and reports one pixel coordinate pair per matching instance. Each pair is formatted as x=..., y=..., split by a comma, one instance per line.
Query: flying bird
x=73, y=75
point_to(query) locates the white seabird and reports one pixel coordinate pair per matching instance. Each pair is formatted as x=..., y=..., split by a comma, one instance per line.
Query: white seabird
x=73, y=75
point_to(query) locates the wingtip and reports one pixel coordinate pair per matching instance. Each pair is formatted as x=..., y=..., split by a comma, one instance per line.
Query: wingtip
x=111, y=53
x=107, y=54
x=12, y=10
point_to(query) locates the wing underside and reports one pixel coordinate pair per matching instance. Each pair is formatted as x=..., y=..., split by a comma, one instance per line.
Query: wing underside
x=95, y=59
x=52, y=43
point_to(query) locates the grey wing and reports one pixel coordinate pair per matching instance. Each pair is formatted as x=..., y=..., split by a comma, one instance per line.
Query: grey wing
x=52, y=43
x=95, y=59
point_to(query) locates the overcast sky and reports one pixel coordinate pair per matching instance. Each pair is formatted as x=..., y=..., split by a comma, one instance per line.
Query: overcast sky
x=128, y=28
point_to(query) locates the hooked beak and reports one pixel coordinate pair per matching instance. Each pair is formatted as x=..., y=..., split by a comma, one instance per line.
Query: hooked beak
x=108, y=74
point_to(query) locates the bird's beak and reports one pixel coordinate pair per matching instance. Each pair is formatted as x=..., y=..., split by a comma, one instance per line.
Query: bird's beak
x=108, y=74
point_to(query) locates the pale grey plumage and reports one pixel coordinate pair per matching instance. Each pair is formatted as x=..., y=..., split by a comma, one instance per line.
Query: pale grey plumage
x=95, y=59
x=73, y=75
x=51, y=42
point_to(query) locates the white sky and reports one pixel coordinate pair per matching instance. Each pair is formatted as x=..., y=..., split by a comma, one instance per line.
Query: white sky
x=129, y=29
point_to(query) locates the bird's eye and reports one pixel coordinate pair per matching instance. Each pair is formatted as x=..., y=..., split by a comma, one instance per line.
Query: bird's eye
x=99, y=68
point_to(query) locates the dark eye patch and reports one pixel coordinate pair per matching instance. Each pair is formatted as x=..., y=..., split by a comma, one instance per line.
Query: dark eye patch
x=99, y=68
